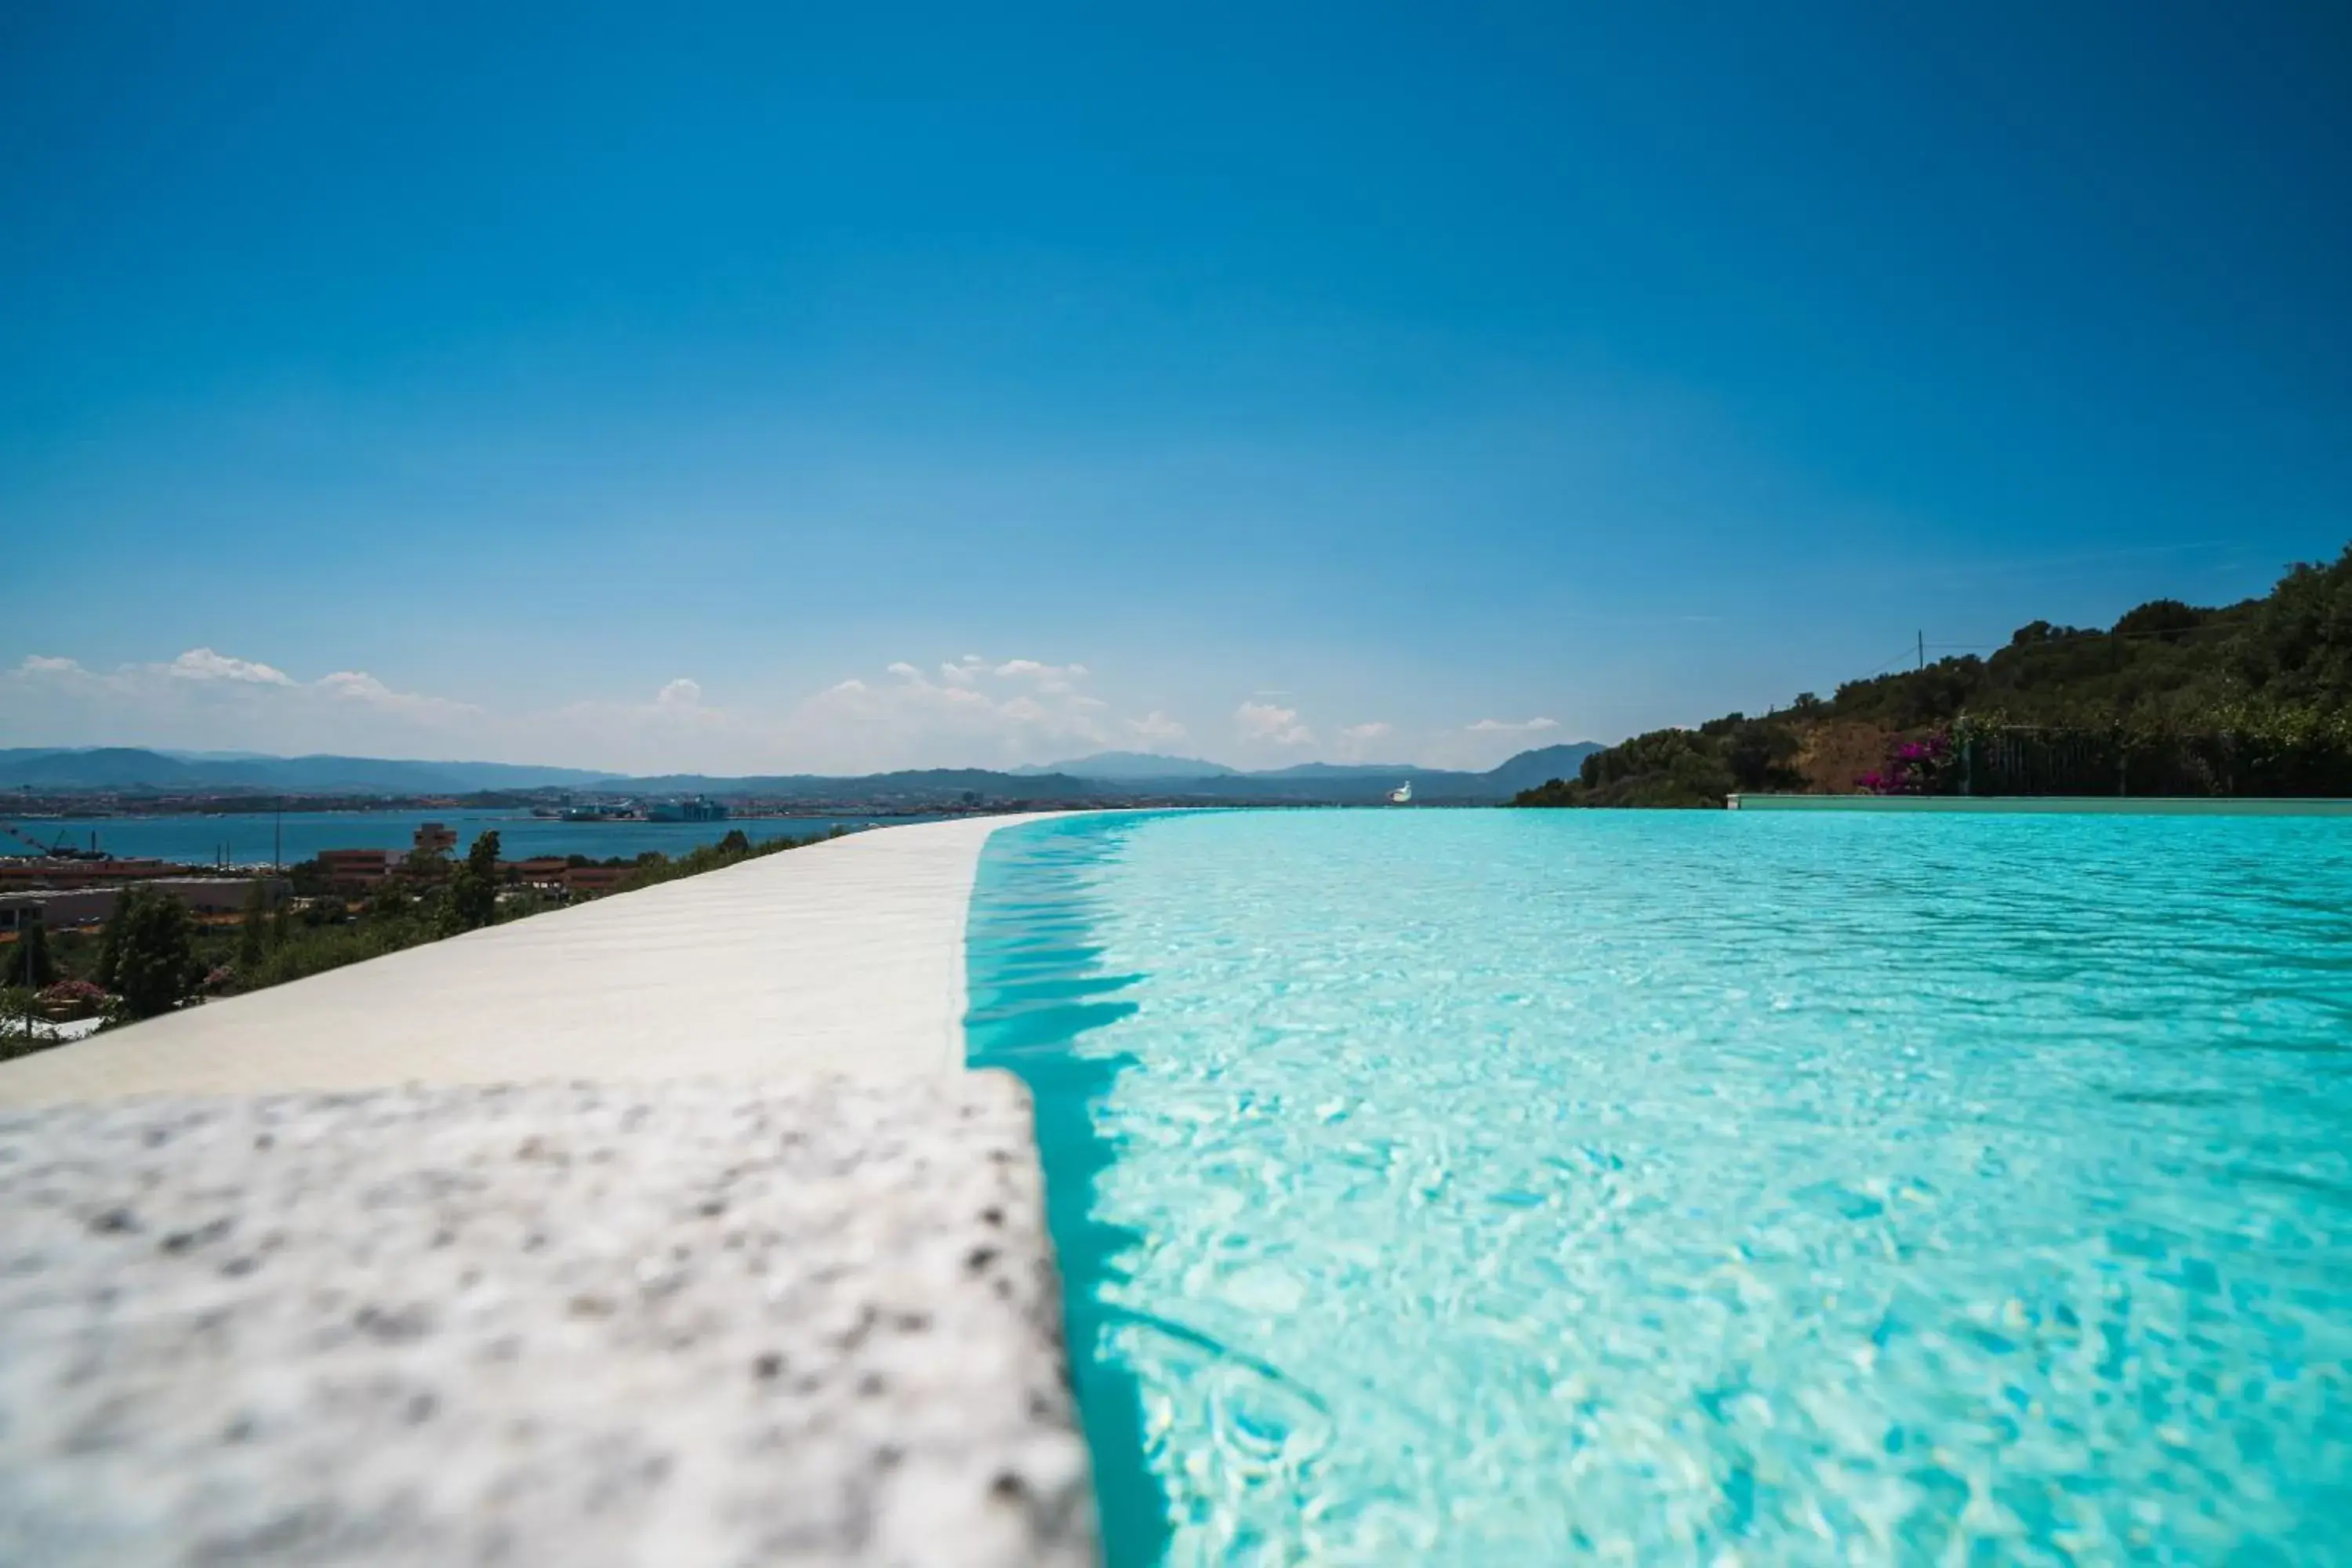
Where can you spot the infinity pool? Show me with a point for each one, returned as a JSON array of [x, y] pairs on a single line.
[[1508, 1187]]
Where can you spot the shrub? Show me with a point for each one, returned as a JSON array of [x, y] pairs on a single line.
[[149, 959], [1917, 767], [74, 998]]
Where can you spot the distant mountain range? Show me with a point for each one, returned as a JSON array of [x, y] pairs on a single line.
[[1144, 768], [137, 769], [1132, 765], [1107, 775], [914, 786]]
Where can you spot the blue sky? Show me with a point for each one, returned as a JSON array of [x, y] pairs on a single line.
[[595, 384]]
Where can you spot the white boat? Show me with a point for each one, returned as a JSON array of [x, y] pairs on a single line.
[[1401, 795]]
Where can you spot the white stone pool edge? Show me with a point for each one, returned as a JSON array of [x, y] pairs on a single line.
[[665, 1230]]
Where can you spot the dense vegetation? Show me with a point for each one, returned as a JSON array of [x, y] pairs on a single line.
[[2251, 697], [154, 956]]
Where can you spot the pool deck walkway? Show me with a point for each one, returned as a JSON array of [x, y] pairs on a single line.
[[845, 956]]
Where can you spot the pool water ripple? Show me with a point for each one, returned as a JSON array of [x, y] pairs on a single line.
[[1517, 1187]]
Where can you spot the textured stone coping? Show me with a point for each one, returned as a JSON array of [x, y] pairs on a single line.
[[686, 1324], [846, 956]]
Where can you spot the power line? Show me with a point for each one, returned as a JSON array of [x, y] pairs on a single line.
[[2094, 634], [1921, 647], [1891, 663]]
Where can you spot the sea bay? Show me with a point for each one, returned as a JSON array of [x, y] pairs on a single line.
[[258, 839]]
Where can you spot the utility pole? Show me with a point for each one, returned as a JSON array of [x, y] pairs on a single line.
[[1923, 650], [277, 840]]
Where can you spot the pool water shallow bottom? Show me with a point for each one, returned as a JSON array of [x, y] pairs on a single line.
[[1512, 1187]]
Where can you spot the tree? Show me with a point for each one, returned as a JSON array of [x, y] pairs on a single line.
[[474, 891], [149, 958], [2167, 618], [2297, 644], [249, 947], [29, 962], [737, 842]]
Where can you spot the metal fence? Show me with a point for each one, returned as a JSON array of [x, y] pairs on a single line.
[[2019, 759]]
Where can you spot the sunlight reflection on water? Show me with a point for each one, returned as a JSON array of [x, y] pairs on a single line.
[[1505, 1187]]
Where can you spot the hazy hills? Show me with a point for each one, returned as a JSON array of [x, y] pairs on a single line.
[[1108, 775], [137, 769], [1194, 773], [1132, 765]]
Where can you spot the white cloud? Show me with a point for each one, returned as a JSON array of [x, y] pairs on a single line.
[[358, 686], [41, 675], [984, 713], [1155, 728], [673, 732], [1012, 711], [355, 685], [1355, 740], [973, 712], [1265, 724], [1057, 679], [927, 712], [204, 664], [207, 700]]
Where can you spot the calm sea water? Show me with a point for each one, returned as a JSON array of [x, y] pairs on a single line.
[[246, 839], [1500, 1189]]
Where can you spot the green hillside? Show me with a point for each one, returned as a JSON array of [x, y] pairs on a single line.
[[2252, 697]]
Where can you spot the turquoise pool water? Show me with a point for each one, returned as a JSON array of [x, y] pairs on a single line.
[[1495, 1187]]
